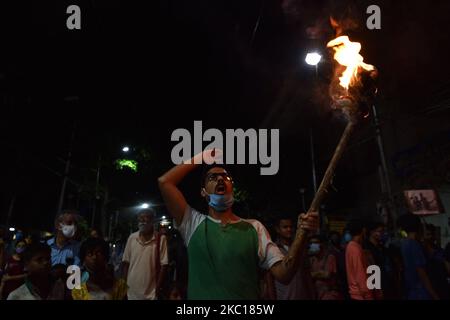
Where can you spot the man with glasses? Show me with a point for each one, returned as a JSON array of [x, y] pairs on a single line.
[[226, 252]]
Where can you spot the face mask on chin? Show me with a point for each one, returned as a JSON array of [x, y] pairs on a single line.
[[220, 202]]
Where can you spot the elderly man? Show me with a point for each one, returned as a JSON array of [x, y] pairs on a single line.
[[145, 260]]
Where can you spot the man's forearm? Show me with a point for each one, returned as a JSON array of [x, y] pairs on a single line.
[[293, 258], [176, 174]]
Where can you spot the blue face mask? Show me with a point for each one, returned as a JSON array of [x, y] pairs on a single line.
[[314, 248], [20, 250], [347, 237], [220, 202]]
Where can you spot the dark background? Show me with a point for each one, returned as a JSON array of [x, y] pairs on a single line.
[[135, 72]]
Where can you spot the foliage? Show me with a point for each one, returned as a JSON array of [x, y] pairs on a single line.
[[126, 163], [240, 195]]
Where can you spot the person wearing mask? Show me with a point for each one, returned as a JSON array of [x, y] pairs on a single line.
[[14, 271], [145, 260], [64, 250], [225, 252], [324, 270]]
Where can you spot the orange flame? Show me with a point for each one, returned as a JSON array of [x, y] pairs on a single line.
[[347, 55]]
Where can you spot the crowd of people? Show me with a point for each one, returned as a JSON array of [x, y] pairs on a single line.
[[218, 255], [152, 263]]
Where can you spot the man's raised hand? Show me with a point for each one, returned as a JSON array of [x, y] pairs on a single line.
[[208, 156], [308, 221]]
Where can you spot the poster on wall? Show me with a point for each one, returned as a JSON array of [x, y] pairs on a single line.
[[423, 202]]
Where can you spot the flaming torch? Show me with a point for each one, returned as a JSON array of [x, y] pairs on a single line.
[[349, 95]]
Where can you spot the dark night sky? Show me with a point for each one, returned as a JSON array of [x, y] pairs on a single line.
[[141, 71]]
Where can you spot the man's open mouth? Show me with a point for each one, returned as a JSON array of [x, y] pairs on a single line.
[[220, 189]]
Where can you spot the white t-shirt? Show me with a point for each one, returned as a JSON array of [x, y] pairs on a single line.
[[141, 279], [268, 252], [23, 293]]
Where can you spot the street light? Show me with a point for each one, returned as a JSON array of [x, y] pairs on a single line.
[[313, 58], [12, 229], [125, 149], [145, 206]]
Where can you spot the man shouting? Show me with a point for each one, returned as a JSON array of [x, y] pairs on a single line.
[[225, 252]]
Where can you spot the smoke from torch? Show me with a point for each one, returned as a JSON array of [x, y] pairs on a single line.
[[350, 95]]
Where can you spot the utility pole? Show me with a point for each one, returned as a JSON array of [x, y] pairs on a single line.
[[10, 210], [384, 168], [103, 218], [66, 171], [97, 195], [313, 162]]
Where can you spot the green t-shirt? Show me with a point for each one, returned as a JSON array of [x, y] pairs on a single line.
[[224, 260]]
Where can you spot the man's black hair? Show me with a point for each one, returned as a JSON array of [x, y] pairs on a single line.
[[355, 227], [284, 216], [409, 222], [90, 244], [207, 167], [33, 249]]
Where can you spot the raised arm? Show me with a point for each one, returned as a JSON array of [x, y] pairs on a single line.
[[285, 270], [173, 198], [168, 182]]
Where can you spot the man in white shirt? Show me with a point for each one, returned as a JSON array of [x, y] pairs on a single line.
[[145, 260]]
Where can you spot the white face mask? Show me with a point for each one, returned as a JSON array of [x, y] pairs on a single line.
[[68, 230]]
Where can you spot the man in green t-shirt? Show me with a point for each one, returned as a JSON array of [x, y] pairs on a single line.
[[226, 252]]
